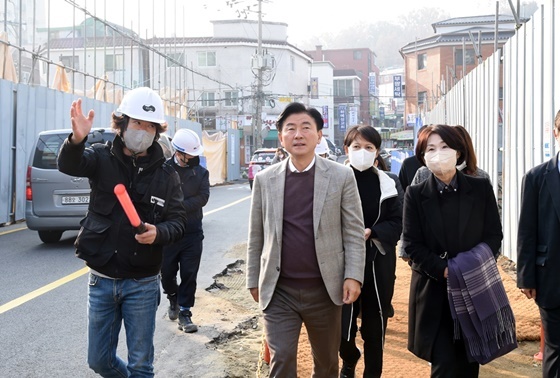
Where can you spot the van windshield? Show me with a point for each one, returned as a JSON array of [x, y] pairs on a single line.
[[48, 146]]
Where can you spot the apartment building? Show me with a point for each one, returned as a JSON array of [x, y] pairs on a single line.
[[435, 64]]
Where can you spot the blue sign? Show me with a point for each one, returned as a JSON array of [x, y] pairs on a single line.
[[397, 86], [342, 117], [372, 84], [382, 113]]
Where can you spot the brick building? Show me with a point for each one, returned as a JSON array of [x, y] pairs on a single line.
[[435, 64], [354, 84]]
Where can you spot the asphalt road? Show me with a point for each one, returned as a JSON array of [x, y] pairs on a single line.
[[43, 291]]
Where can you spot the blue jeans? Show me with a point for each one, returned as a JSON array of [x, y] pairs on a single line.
[[110, 302]]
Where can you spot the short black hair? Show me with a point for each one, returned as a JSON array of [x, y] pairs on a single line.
[[298, 108], [365, 131]]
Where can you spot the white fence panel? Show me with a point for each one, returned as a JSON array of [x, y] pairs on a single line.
[[7, 127], [515, 133]]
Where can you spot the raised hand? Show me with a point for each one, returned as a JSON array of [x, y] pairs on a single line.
[[81, 125]]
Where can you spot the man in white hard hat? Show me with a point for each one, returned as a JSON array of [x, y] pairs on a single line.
[[322, 148], [184, 256], [124, 264]]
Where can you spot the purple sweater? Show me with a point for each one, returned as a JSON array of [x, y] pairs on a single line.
[[299, 268]]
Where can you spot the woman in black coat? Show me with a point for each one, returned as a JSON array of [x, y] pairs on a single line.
[[381, 196], [447, 214]]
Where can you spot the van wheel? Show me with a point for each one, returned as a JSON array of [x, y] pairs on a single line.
[[50, 236]]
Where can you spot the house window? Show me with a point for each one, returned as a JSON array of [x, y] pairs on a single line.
[[71, 61], [114, 62], [422, 98], [469, 57], [206, 58], [176, 57], [343, 88], [208, 99], [292, 63], [357, 55], [232, 98], [422, 61]]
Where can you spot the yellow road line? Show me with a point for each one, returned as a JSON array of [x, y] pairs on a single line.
[[53, 285], [42, 290], [10, 231]]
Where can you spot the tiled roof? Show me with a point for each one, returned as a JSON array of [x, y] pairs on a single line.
[[457, 38], [118, 41], [477, 20], [69, 43]]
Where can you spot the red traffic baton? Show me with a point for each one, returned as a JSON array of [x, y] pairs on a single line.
[[129, 209]]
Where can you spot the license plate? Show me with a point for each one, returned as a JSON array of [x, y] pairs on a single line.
[[75, 200]]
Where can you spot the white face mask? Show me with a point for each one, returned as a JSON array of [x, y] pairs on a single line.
[[362, 159], [441, 163], [137, 141]]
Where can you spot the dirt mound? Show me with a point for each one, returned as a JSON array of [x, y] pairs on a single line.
[[243, 347]]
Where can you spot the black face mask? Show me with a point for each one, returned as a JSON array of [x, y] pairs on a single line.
[[182, 159], [192, 162]]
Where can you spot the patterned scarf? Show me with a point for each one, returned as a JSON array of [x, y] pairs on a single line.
[[479, 305]]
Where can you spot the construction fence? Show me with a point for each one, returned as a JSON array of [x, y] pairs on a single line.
[[512, 128]]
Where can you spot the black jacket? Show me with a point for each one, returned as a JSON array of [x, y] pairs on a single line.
[[408, 169], [381, 248], [195, 184], [106, 239], [538, 239], [424, 237]]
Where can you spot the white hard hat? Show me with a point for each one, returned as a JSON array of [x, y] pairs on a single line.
[[186, 141], [322, 147], [143, 104]]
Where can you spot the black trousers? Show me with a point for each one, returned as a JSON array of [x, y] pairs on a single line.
[[183, 256], [551, 325], [449, 356], [372, 329]]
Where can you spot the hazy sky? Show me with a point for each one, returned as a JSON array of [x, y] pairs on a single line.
[[305, 18]]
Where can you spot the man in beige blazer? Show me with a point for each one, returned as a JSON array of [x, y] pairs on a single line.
[[306, 249]]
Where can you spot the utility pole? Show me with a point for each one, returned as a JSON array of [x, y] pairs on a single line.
[[259, 96]]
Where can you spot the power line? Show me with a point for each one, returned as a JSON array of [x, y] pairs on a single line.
[[140, 42]]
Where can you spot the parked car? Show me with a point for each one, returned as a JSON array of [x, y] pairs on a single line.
[[263, 156], [261, 159], [56, 202], [334, 150]]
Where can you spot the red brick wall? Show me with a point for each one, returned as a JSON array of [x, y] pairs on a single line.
[[344, 59]]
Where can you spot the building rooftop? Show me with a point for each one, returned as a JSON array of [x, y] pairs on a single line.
[[118, 41], [477, 20], [345, 72]]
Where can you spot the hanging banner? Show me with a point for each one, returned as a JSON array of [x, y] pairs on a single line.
[[352, 115], [342, 117], [314, 88], [325, 117], [372, 84], [397, 86]]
